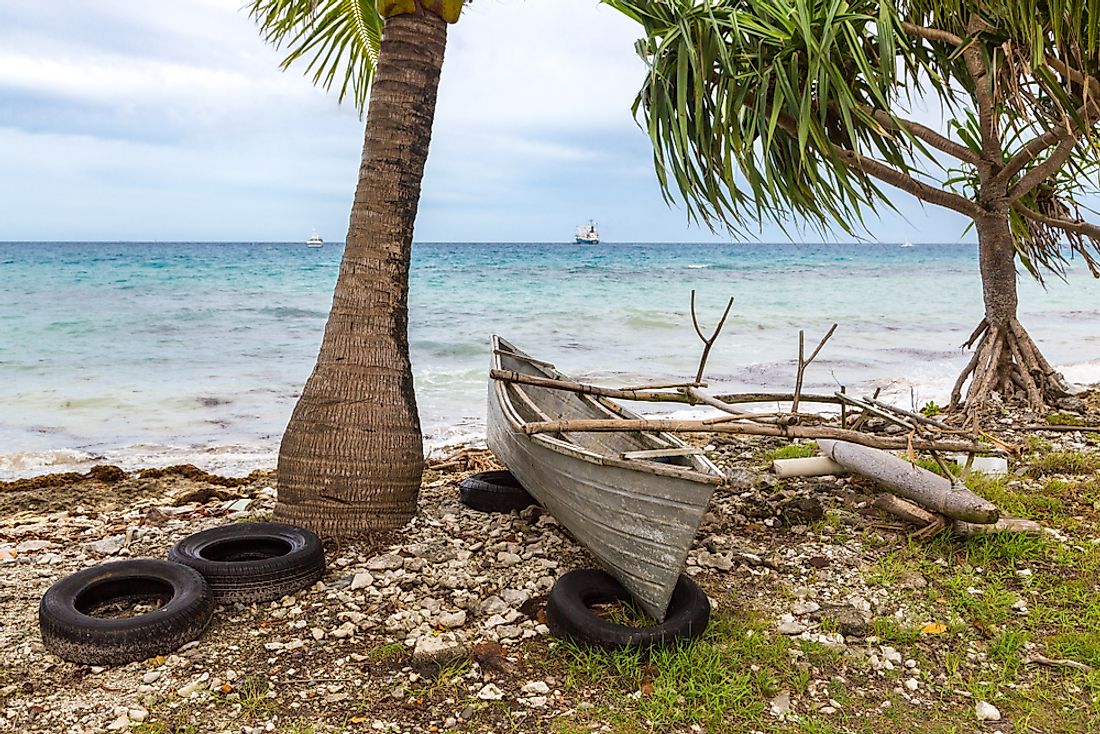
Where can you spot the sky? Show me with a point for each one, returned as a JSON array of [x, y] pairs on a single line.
[[129, 120]]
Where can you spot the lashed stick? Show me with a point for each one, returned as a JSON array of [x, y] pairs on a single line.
[[733, 425]]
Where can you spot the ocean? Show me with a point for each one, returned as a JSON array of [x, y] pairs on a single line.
[[145, 354]]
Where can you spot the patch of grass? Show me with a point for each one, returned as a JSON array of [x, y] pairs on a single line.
[[252, 695], [934, 466], [709, 682], [1065, 419], [792, 451], [1082, 646], [160, 727], [1005, 649], [387, 653], [892, 631], [1065, 462], [298, 727]]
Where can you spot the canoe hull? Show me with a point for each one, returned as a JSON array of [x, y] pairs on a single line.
[[638, 518]]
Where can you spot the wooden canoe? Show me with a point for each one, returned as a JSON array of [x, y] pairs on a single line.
[[633, 499]]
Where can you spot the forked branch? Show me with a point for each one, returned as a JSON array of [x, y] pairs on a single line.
[[803, 363], [707, 342]]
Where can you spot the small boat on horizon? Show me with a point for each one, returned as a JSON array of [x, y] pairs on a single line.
[[588, 234], [907, 243], [633, 499], [315, 240]]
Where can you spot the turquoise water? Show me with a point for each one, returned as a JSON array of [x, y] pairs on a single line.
[[144, 353]]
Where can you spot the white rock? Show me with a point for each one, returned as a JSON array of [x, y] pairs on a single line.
[[450, 620], [911, 684], [490, 692], [30, 546], [362, 580], [535, 687], [107, 546], [508, 559], [138, 714], [494, 605], [432, 649], [388, 561], [494, 621], [535, 701], [199, 684], [781, 704], [122, 722], [788, 625], [515, 597], [318, 633], [808, 607], [986, 711], [151, 677]]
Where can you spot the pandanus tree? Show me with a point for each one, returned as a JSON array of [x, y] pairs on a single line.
[[798, 111], [351, 458]]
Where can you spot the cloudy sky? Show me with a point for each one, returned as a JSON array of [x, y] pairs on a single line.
[[130, 120]]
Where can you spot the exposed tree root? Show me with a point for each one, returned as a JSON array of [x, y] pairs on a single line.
[[1006, 361]]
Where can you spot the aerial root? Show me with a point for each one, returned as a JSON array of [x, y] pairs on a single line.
[[1006, 361]]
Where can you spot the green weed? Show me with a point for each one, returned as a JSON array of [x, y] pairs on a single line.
[[793, 451]]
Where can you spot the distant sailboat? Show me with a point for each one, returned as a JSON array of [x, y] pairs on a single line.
[[907, 244], [587, 234], [315, 240]]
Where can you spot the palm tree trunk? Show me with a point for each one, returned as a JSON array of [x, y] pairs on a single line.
[[1005, 359], [352, 456]]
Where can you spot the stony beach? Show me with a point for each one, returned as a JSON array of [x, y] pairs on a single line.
[[826, 617]]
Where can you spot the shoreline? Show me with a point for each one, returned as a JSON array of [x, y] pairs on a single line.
[[806, 583]]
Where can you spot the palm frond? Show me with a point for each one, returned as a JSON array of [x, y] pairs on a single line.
[[337, 39]]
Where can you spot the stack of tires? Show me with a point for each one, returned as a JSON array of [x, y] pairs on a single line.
[[243, 563]]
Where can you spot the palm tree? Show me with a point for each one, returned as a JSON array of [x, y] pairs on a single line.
[[797, 110], [352, 456]]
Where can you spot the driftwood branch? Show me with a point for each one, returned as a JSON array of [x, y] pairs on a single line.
[[707, 342], [732, 425], [929, 523], [899, 477], [803, 363], [1003, 525], [775, 397], [1061, 663], [645, 396]]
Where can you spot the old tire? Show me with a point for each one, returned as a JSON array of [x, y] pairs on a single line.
[[569, 613], [494, 491], [253, 562], [71, 632]]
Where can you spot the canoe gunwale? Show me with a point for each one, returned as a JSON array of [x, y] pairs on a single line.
[[712, 475]]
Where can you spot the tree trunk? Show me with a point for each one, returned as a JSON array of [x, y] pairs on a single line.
[[1005, 358], [352, 456]]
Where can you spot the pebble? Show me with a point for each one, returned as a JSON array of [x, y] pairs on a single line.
[[490, 692], [199, 684], [536, 687], [451, 620], [151, 677], [362, 580], [122, 722], [986, 711], [432, 649], [788, 625], [107, 546]]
